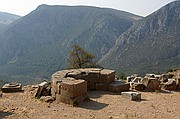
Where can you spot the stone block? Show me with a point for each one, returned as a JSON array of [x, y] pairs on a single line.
[[12, 87], [74, 74], [170, 85], [41, 86], [101, 86], [91, 86], [139, 86], [151, 84], [118, 86], [134, 96], [107, 76], [47, 99], [178, 83], [91, 76], [71, 101], [73, 88]]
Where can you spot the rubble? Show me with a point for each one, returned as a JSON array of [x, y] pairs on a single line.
[[12, 87], [133, 96], [170, 85], [46, 99], [139, 87], [152, 84]]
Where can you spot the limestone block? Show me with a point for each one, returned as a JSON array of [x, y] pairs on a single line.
[[178, 83], [41, 86], [91, 86], [71, 101], [73, 88], [107, 76], [151, 84], [118, 86], [74, 74], [139, 86], [101, 86], [170, 85], [47, 99], [91, 76], [12, 87], [134, 96]]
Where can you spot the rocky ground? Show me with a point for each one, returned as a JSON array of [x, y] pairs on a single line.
[[102, 105]]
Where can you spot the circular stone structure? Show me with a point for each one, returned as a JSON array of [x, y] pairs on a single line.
[[93, 78]]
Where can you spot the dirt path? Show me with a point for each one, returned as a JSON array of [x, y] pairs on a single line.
[[102, 105]]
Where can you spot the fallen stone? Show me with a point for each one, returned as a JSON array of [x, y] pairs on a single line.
[[41, 86], [134, 96], [139, 87], [170, 85], [152, 84], [178, 83], [118, 86], [12, 87], [47, 98]]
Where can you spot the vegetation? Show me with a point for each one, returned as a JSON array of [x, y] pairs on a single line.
[[122, 76], [79, 58]]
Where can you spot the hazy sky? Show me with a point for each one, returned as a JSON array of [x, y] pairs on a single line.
[[139, 7]]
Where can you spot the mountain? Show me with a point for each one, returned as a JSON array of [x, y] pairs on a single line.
[[37, 45], [151, 45], [6, 19]]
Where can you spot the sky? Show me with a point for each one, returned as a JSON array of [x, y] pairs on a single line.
[[138, 7]]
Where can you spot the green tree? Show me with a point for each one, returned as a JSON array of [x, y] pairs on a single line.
[[79, 58]]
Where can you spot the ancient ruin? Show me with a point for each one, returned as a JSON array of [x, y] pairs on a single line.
[[12, 87], [71, 86]]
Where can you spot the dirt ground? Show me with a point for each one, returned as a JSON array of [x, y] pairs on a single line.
[[102, 105]]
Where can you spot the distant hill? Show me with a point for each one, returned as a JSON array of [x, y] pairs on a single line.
[[152, 45], [6, 19], [37, 45]]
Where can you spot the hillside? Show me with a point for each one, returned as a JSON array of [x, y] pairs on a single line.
[[6, 19], [37, 45], [151, 45]]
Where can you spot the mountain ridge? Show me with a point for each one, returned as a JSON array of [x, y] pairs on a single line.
[[37, 44], [151, 45]]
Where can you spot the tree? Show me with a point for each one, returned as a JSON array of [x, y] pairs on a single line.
[[79, 58]]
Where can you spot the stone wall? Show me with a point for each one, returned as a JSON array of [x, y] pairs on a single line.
[[70, 86]]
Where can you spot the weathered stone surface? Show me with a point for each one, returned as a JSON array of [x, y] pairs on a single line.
[[178, 83], [12, 87], [151, 84], [47, 98], [71, 101], [74, 74], [101, 86], [41, 86], [139, 86], [91, 76], [170, 85], [73, 88], [107, 76], [134, 96], [118, 86]]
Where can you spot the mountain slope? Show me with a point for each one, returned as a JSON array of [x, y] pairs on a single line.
[[38, 44], [151, 45], [6, 19]]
